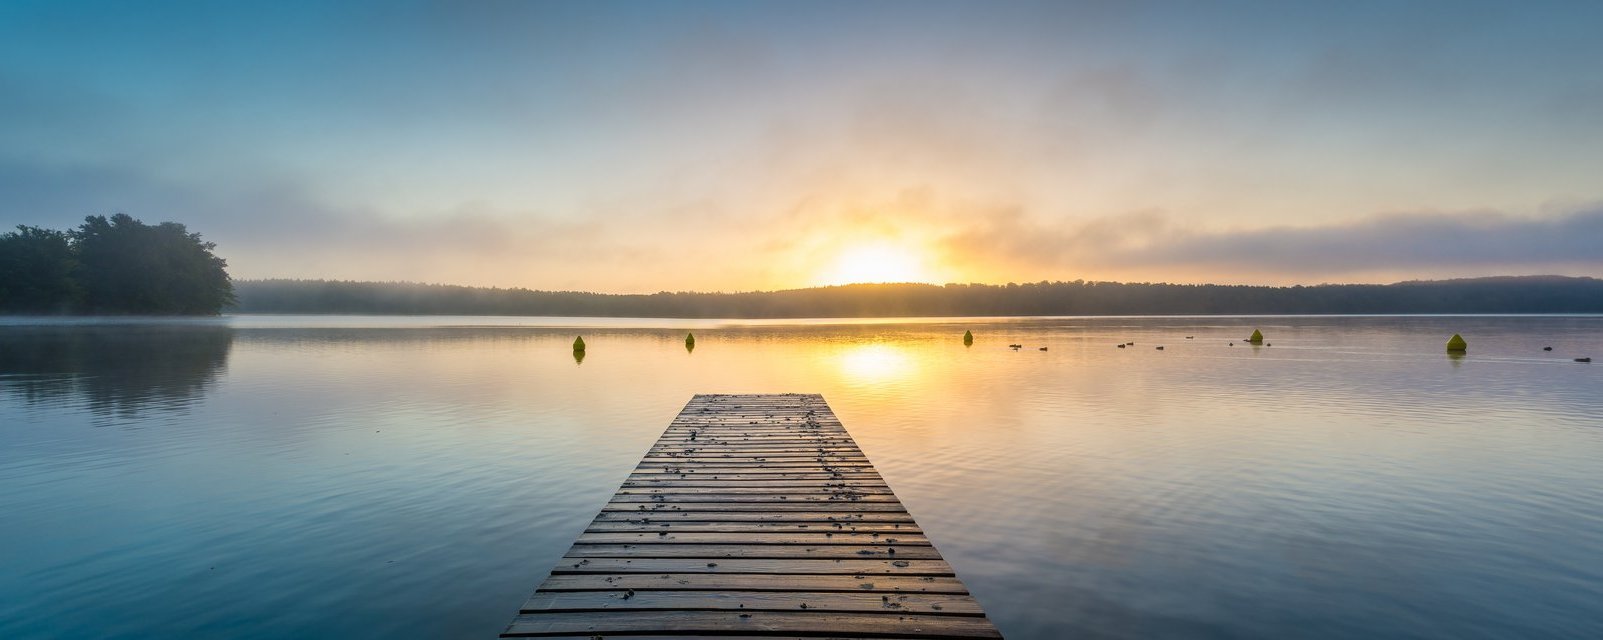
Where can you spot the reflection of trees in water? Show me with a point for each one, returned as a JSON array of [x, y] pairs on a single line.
[[116, 371]]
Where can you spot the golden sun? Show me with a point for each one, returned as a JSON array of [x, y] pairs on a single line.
[[879, 262]]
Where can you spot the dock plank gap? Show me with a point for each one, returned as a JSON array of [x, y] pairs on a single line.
[[753, 516]]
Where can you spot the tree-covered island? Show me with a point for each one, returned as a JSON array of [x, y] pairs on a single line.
[[112, 266]]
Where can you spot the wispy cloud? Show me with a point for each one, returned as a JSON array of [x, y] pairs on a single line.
[[1431, 243], [281, 231]]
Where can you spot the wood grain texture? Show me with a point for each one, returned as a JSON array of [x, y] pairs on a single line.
[[753, 516]]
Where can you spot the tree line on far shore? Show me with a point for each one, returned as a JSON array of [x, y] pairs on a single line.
[[1512, 294], [112, 266], [119, 265]]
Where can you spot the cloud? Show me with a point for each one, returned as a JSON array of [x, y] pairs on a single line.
[[281, 231], [1409, 242]]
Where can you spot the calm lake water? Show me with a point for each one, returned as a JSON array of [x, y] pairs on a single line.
[[353, 477]]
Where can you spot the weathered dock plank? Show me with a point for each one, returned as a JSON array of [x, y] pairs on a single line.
[[725, 582], [823, 515], [760, 537], [753, 516], [824, 566], [894, 624], [571, 601]]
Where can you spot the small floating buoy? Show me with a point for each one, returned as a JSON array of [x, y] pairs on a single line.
[[1456, 343], [1232, 344], [968, 338], [1547, 348], [1256, 337], [1583, 359], [1269, 344]]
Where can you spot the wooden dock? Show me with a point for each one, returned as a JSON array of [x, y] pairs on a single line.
[[753, 516]]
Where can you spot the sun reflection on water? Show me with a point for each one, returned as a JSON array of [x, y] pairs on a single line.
[[877, 363]]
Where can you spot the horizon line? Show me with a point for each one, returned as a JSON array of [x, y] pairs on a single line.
[[1543, 276]]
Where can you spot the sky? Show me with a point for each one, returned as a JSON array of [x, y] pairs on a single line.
[[650, 146]]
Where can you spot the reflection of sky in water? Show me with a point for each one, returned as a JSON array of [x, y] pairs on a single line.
[[418, 480]]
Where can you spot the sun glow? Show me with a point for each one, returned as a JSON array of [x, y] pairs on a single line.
[[880, 262]]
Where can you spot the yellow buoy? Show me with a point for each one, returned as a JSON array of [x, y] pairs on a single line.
[[1457, 344], [968, 338], [1256, 338]]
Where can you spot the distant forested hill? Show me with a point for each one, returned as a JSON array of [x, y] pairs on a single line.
[[1525, 294]]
